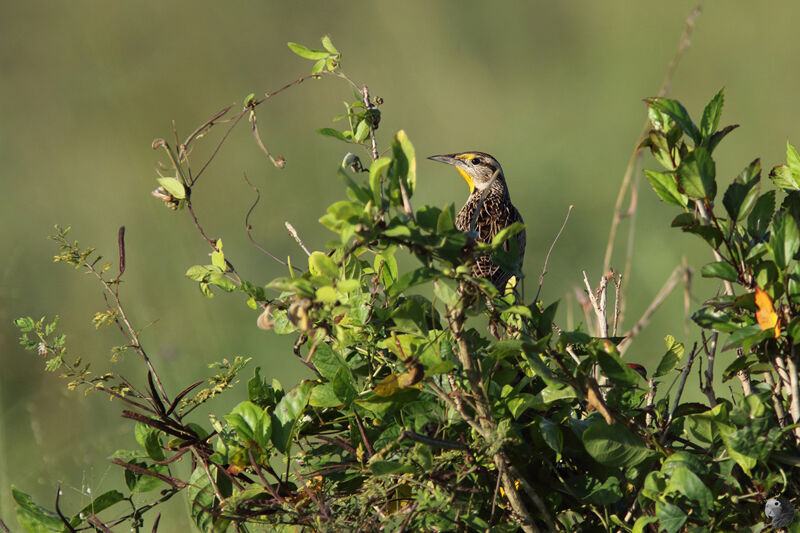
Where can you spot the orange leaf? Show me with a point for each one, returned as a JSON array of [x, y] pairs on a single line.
[[766, 316]]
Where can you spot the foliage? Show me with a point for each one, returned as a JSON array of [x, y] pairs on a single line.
[[417, 418]]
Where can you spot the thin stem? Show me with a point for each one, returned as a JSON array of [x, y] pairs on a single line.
[[549, 251], [293, 233], [684, 375], [683, 44]]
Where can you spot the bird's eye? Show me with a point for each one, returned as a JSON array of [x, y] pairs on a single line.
[[476, 161]]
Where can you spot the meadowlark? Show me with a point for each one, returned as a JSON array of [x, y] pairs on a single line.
[[481, 172]]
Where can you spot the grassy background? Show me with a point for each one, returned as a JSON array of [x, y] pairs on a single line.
[[553, 90]]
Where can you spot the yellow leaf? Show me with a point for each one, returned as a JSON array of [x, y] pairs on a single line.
[[766, 316], [387, 386]]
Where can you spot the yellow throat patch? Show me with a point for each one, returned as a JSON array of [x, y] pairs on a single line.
[[468, 179]]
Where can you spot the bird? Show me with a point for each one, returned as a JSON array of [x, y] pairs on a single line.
[[481, 172], [780, 510]]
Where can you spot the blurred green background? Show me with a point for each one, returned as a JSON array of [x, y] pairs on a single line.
[[552, 89]]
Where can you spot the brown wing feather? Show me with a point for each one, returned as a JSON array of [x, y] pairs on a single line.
[[496, 213]]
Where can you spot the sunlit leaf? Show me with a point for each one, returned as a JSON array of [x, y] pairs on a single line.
[[766, 316]]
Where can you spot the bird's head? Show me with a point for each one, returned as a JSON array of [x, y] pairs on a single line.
[[477, 168]]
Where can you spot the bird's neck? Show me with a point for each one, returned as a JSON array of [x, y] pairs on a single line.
[[498, 188]]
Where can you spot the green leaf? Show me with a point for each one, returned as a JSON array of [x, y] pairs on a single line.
[[696, 174], [326, 295], [321, 265], [380, 468], [666, 187], [506, 348], [616, 370], [173, 186], [386, 264], [203, 501], [711, 114], [784, 239], [99, 504], [327, 44], [670, 517], [642, 522], [760, 216], [718, 136], [287, 412], [745, 337], [678, 113], [323, 395], [687, 483], [415, 277], [150, 440], [592, 491], [251, 423], [670, 359], [218, 257], [405, 161], [446, 221], [614, 446], [293, 403], [447, 291], [198, 272], [551, 434], [326, 360], [307, 53], [318, 66], [348, 285], [507, 232], [742, 194], [361, 132], [343, 386], [783, 178], [332, 132], [376, 171], [32, 517], [792, 159], [720, 269]]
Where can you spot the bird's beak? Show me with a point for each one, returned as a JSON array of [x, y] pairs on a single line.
[[446, 158], [451, 160]]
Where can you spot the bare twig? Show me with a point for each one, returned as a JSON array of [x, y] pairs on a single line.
[[707, 385], [617, 280], [211, 479], [650, 399], [485, 419], [629, 171], [597, 299], [280, 162], [100, 526], [217, 148], [60, 514], [155, 523], [368, 105], [674, 278], [293, 233], [367, 444], [128, 330], [794, 406], [684, 375], [121, 245], [136, 469], [249, 228], [777, 403], [549, 251]]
